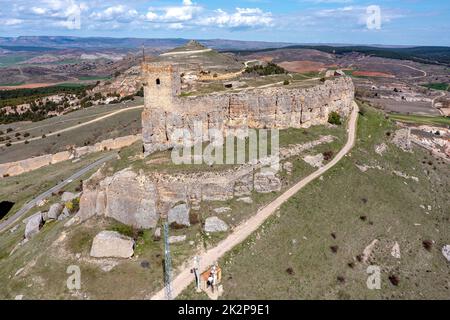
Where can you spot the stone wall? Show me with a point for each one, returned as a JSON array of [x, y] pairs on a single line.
[[140, 199], [27, 165], [165, 111]]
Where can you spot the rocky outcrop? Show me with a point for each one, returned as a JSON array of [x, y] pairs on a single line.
[[111, 244], [314, 161], [446, 252], [267, 182], [179, 216], [214, 224], [54, 211], [33, 225], [126, 197], [140, 199], [27, 165]]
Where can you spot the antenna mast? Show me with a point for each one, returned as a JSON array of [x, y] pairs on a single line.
[[167, 262]]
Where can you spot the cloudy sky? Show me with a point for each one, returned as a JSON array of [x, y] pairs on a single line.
[[408, 22]]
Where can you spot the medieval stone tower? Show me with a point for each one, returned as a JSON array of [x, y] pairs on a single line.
[[162, 85]]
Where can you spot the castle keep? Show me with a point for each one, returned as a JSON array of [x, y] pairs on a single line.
[[166, 111]]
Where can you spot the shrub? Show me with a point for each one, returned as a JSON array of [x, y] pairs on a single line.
[[286, 82], [9, 144], [328, 155], [334, 118], [9, 130], [269, 69]]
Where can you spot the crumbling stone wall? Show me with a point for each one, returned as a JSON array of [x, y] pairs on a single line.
[[166, 111]]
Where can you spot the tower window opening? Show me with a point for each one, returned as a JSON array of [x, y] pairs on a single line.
[[158, 82]]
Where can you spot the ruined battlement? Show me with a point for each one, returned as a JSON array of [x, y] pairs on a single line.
[[165, 111]]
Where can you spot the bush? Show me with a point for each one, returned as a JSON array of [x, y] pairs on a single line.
[[9, 144], [286, 82], [334, 118]]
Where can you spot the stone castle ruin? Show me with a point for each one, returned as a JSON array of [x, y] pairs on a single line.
[[140, 199], [166, 110]]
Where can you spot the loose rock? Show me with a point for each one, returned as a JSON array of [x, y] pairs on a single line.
[[214, 224], [177, 239], [111, 244], [34, 224]]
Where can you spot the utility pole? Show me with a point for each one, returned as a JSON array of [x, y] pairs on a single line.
[[167, 262]]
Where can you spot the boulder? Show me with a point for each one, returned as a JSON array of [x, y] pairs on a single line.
[[179, 216], [54, 211], [69, 196], [34, 224], [446, 252], [64, 215], [214, 224], [267, 182], [111, 244], [177, 239], [315, 161]]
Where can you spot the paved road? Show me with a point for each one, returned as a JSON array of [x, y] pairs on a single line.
[[27, 207], [243, 231], [109, 115]]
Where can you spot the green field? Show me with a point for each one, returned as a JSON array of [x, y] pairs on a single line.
[[416, 119], [93, 78], [437, 86]]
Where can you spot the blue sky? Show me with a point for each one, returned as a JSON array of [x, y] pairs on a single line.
[[403, 22]]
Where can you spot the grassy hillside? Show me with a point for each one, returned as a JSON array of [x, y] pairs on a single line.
[[312, 248]]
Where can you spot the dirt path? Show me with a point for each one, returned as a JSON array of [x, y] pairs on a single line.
[[185, 52], [78, 125], [244, 230]]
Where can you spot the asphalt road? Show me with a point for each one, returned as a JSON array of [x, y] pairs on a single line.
[[4, 225]]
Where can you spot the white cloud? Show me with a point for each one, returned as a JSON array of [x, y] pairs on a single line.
[[118, 13], [173, 14], [242, 17], [11, 22]]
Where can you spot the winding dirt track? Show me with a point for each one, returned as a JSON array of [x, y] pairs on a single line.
[[243, 231]]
